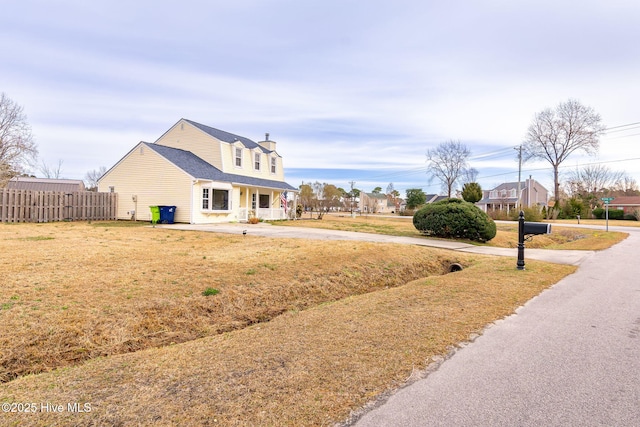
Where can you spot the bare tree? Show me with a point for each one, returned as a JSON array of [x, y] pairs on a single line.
[[390, 188], [17, 147], [49, 171], [470, 175], [592, 180], [555, 134], [448, 162], [91, 178], [626, 186]]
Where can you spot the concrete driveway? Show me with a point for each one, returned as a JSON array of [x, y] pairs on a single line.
[[268, 230]]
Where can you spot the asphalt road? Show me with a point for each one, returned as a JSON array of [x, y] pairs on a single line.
[[569, 357]]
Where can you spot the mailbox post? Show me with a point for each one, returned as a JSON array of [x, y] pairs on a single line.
[[520, 263], [525, 231]]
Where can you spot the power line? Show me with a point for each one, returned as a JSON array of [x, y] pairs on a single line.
[[622, 126], [549, 168], [625, 136], [503, 153], [623, 130]]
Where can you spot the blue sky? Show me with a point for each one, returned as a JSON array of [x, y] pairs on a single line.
[[350, 90]]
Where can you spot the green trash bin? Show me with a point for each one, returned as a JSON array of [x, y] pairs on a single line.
[[155, 214]]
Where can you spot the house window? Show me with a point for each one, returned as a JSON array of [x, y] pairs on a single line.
[[112, 189], [253, 201], [264, 201], [273, 165], [220, 200], [205, 198], [239, 157], [513, 193], [215, 199], [256, 161], [493, 194]]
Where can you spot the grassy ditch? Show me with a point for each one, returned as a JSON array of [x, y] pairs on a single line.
[[310, 366]]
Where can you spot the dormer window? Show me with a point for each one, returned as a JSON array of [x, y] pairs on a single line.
[[256, 161], [238, 157], [273, 165]]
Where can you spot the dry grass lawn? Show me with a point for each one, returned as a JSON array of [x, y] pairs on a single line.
[[300, 333], [74, 291]]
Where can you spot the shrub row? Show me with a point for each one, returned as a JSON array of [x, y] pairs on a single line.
[[600, 213]]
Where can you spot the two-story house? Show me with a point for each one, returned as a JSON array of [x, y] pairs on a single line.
[[375, 203], [209, 175], [505, 196]]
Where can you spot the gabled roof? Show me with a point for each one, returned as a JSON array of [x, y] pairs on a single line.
[[45, 184], [226, 136], [509, 186], [200, 169], [376, 195], [626, 200]]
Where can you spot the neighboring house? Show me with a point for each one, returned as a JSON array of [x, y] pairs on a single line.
[[431, 198], [209, 175], [629, 204], [45, 184], [375, 203], [505, 196]]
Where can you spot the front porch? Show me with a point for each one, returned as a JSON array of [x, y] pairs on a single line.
[[262, 203]]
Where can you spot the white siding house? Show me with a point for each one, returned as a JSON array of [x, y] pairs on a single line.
[[208, 174]]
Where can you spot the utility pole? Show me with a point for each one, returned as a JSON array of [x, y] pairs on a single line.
[[519, 174]]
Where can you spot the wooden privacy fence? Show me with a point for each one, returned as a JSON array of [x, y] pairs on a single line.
[[49, 206]]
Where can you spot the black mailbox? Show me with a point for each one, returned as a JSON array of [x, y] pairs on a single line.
[[531, 228]]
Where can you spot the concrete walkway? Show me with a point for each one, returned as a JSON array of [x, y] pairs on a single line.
[[268, 230]]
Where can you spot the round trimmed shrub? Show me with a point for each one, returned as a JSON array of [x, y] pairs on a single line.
[[455, 218]]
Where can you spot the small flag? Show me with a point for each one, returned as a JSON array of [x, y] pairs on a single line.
[[283, 200]]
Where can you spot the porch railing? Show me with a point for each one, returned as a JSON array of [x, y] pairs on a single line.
[[262, 213]]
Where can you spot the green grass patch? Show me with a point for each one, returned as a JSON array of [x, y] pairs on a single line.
[[210, 291]]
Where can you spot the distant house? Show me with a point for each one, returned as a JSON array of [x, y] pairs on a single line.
[[505, 196], [628, 204], [45, 184], [376, 203], [209, 175]]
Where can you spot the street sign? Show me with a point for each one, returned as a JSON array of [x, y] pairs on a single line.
[[606, 201]]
